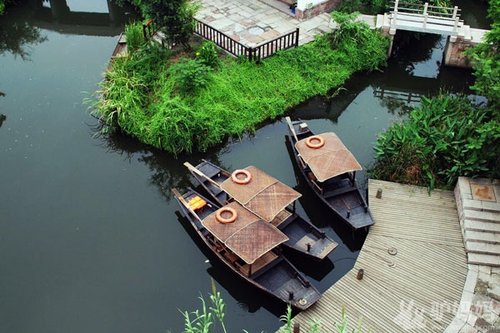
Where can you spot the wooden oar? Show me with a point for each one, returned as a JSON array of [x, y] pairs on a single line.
[[201, 174], [185, 203], [290, 125]]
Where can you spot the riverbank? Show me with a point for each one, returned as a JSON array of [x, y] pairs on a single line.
[[143, 94]]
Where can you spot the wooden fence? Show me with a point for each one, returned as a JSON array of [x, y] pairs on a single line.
[[237, 49], [232, 46]]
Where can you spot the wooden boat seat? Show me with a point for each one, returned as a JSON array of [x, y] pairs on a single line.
[[334, 193], [281, 217], [214, 189], [208, 169], [260, 263]]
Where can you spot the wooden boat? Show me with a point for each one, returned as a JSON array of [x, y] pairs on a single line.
[[248, 246], [330, 170], [303, 236]]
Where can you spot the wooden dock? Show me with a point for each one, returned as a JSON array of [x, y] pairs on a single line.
[[414, 266]]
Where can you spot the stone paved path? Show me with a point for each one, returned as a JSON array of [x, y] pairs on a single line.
[[255, 22]]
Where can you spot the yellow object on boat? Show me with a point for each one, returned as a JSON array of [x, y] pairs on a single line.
[[197, 203]]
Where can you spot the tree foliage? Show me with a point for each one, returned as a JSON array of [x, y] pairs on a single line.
[[486, 60], [174, 17]]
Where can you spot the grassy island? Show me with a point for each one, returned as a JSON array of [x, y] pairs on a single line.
[[185, 101]]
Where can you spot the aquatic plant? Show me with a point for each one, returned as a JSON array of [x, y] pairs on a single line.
[[444, 138], [153, 107], [202, 320]]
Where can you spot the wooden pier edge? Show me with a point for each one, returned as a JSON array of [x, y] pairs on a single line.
[[413, 261]]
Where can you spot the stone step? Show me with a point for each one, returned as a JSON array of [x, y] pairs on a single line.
[[484, 259], [487, 216], [482, 206], [482, 248], [480, 236], [492, 227]]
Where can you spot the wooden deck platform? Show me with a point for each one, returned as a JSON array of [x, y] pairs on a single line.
[[414, 266]]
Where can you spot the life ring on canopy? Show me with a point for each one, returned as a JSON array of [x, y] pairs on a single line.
[[241, 181], [315, 142], [225, 220]]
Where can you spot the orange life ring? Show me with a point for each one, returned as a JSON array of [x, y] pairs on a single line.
[[246, 180], [320, 142], [224, 220]]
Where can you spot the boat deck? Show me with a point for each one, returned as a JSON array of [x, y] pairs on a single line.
[[414, 266]]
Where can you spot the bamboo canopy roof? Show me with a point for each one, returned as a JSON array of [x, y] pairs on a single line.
[[248, 237], [264, 195], [331, 160]]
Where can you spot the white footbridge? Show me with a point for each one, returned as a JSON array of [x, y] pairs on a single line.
[[425, 18]]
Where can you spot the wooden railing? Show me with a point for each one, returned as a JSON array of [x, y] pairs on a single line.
[[269, 48], [401, 96], [221, 39], [237, 49]]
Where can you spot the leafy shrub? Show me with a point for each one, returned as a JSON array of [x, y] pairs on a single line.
[[207, 54], [135, 36], [446, 137], [190, 75], [174, 17], [356, 37]]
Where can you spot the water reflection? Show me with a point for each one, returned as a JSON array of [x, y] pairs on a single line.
[[167, 171], [17, 35], [21, 29], [57, 15]]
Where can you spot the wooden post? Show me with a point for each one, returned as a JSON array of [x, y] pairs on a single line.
[[296, 328], [361, 273], [297, 37], [426, 6]]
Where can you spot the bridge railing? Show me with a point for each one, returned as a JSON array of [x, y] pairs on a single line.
[[425, 13], [426, 9]]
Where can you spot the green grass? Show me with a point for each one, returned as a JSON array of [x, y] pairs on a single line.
[[142, 98]]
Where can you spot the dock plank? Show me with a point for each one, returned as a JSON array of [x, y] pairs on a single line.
[[400, 292]]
